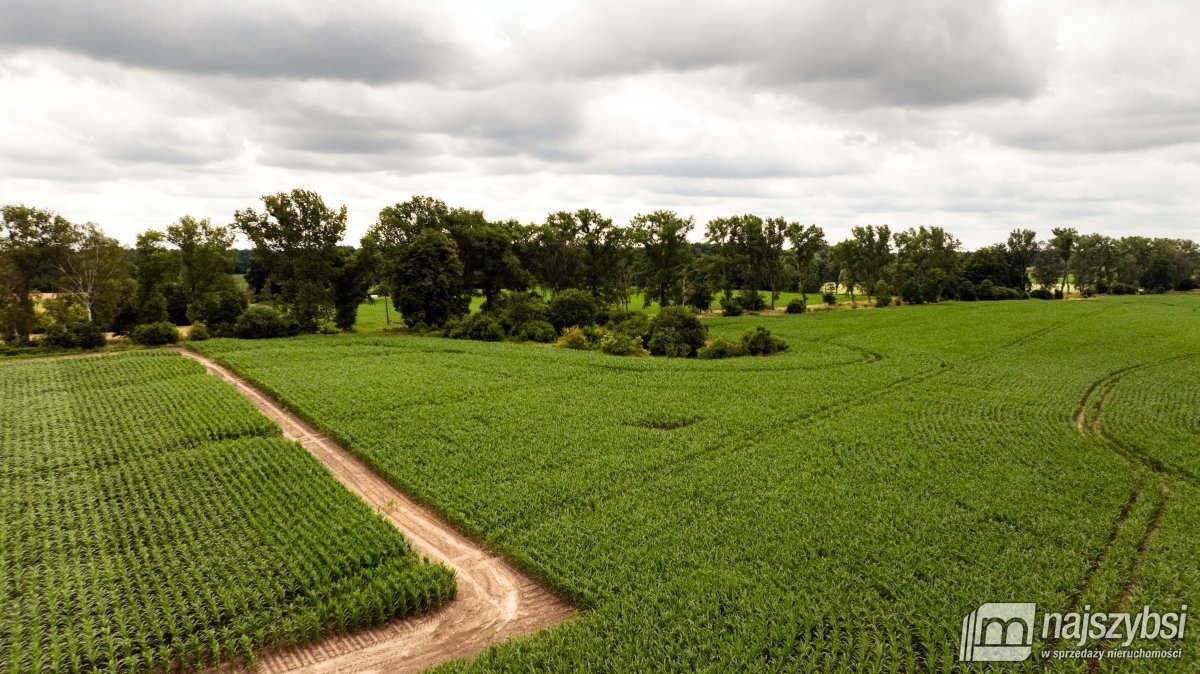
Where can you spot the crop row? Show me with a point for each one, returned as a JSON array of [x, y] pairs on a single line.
[[152, 518], [816, 511]]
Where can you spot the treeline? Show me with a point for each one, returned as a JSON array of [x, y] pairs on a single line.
[[431, 259]]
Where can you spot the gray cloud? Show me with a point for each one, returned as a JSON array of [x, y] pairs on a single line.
[[232, 38], [978, 116], [841, 53]]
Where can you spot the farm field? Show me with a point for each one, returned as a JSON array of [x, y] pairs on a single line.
[[372, 316], [839, 507], [150, 515]]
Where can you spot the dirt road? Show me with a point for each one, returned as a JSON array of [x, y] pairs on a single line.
[[495, 602]]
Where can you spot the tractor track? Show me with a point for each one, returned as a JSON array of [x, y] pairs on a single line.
[[1088, 421]]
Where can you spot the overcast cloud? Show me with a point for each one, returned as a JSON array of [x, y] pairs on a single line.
[[977, 116]]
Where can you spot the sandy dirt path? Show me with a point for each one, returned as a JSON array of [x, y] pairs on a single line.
[[495, 601]]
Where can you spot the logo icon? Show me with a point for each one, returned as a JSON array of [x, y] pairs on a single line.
[[997, 632]]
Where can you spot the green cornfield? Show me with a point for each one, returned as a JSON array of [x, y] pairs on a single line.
[[840, 507], [152, 519]]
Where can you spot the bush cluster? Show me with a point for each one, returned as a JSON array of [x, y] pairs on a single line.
[[155, 334], [480, 327], [263, 322], [675, 332], [756, 342], [198, 333], [796, 306], [82, 336]]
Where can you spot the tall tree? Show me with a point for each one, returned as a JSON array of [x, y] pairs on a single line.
[[1022, 250], [807, 243], [31, 240], [727, 237], [875, 250], [1049, 267], [206, 256], [92, 270], [399, 223], [557, 244], [427, 280], [486, 250], [847, 258], [774, 236], [929, 255], [662, 236], [297, 236], [1092, 263], [352, 282], [1063, 240], [599, 245]]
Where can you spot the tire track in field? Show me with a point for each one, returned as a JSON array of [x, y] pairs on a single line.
[[495, 602], [1088, 421]]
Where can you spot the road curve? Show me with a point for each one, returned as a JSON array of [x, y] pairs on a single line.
[[495, 601]]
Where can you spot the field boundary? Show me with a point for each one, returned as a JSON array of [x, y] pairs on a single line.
[[495, 601]]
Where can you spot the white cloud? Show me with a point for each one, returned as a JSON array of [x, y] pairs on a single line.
[[978, 117]]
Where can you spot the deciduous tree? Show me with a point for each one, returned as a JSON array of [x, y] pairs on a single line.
[[296, 237]]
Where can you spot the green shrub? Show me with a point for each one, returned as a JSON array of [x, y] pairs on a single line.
[[480, 327], [516, 309], [829, 298], [572, 307], [1041, 294], [263, 322], [730, 306], [675, 331], [796, 306], [721, 348], [1006, 293], [56, 337], [910, 292], [632, 323], [198, 333], [618, 344], [966, 291], [930, 293], [699, 297], [752, 301], [153, 308], [760, 342], [155, 334], [670, 343], [573, 338], [177, 303], [536, 331], [883, 293], [1119, 288], [218, 311], [87, 336]]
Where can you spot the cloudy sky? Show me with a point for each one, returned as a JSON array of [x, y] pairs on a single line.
[[975, 115]]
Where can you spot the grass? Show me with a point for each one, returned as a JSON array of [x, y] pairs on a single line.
[[151, 519], [839, 507], [380, 316]]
